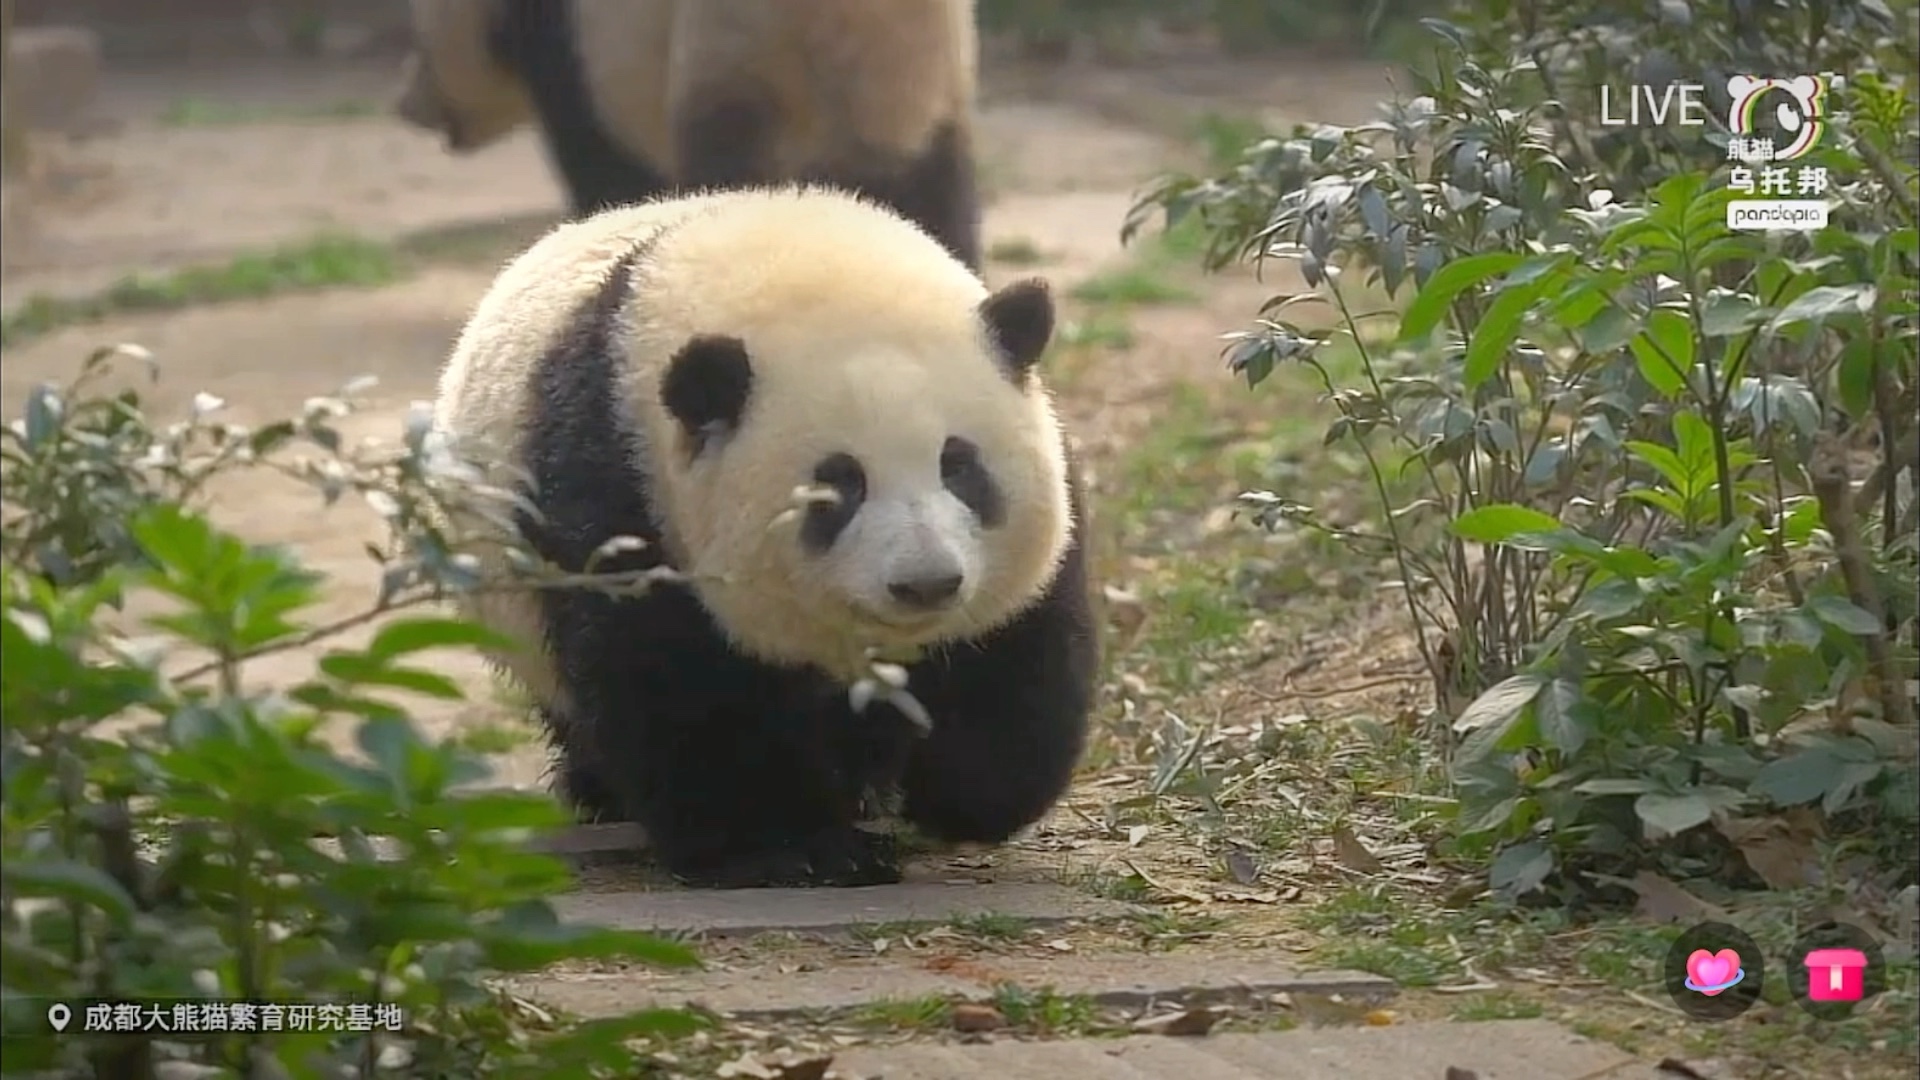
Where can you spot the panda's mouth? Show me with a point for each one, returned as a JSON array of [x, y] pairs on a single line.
[[907, 621], [895, 621]]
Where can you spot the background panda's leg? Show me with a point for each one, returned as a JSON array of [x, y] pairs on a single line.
[[936, 189], [535, 38], [735, 769], [1009, 716], [939, 191]]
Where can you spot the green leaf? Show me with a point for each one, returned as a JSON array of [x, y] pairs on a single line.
[[64, 879], [1503, 701], [1824, 302], [1854, 775], [1521, 868], [1665, 352], [1693, 440], [1670, 815], [1855, 376], [1565, 716], [1617, 785], [1430, 305], [1615, 598], [173, 538], [1607, 331], [1673, 505], [1502, 521], [403, 636], [390, 742], [1727, 314], [356, 669], [1799, 778], [1499, 327], [1665, 461], [1843, 614]]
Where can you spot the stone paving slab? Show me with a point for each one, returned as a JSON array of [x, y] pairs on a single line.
[[1119, 981], [1494, 1050], [745, 912]]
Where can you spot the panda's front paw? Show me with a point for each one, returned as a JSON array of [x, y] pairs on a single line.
[[838, 857]]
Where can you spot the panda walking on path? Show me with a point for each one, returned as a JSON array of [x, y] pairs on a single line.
[[639, 98], [645, 378]]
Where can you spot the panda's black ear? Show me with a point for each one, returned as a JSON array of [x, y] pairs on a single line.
[[1019, 318], [706, 386]]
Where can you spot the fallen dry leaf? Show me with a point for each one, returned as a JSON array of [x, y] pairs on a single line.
[[1241, 865], [971, 1016], [1186, 1022], [1126, 614], [1710, 1069], [804, 1068], [1352, 854], [746, 1065], [1663, 901], [1781, 850], [786, 1066]]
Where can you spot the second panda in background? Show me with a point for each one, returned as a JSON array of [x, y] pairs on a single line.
[[639, 98]]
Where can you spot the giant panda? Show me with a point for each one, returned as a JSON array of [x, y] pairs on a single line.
[[677, 371], [637, 98]]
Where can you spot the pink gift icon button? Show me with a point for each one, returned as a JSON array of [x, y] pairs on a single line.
[[1836, 974]]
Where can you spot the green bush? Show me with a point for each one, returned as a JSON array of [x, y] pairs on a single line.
[[1647, 481], [160, 816]]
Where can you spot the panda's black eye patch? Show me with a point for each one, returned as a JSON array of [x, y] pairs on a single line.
[[964, 474], [824, 521]]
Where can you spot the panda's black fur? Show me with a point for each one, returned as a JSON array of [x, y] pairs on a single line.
[[743, 773], [723, 141]]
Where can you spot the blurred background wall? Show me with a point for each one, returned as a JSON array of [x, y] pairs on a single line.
[[176, 29]]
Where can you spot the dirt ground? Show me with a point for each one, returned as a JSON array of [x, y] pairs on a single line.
[[1063, 150]]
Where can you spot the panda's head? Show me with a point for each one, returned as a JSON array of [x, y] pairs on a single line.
[[917, 420], [453, 84]]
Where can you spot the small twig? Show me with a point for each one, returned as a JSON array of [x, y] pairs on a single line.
[[1336, 691], [1834, 490], [309, 637], [605, 582]]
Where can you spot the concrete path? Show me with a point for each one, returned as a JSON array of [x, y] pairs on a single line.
[[1496, 1050]]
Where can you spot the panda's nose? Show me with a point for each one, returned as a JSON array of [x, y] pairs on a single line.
[[926, 593]]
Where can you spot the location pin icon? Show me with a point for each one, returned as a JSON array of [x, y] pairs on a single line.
[[59, 1015]]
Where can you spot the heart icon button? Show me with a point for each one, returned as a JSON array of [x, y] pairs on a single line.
[[1710, 973]]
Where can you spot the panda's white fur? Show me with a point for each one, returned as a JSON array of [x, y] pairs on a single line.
[[834, 90], [866, 336]]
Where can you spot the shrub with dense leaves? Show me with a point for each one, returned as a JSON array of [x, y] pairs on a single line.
[[1647, 482], [159, 815]]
